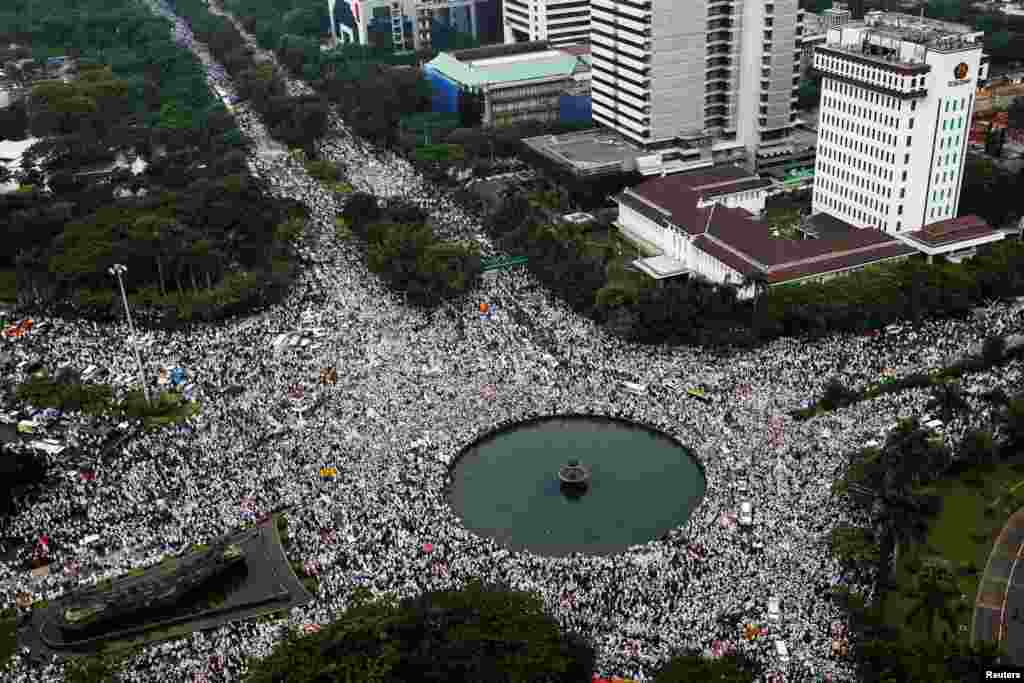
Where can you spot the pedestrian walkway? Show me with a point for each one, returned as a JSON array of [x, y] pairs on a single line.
[[999, 606]]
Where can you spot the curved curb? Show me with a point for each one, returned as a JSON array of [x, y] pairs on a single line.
[[1015, 521], [307, 597]]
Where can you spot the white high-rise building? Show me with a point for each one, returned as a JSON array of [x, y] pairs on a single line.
[[556, 21], [701, 79], [897, 97]]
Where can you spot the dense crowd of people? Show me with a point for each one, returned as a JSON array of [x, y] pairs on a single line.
[[413, 389]]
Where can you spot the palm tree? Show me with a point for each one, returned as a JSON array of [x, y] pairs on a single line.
[[977, 447], [904, 518], [153, 229], [934, 593], [909, 456]]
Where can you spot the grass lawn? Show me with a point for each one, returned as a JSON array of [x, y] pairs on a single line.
[[8, 286], [961, 534]]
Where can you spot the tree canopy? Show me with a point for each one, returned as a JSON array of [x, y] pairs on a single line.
[[402, 248], [479, 633], [200, 236]]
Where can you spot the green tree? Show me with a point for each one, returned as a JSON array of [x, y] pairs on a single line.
[[993, 349], [910, 458], [693, 666], [934, 595], [836, 395], [360, 210], [855, 547], [977, 448], [480, 633], [948, 10], [999, 41], [888, 658], [1012, 422], [91, 669], [947, 399]]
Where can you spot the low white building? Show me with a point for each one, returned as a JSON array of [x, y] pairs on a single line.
[[686, 233]]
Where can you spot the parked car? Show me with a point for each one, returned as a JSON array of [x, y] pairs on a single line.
[[774, 608], [782, 651], [746, 516]]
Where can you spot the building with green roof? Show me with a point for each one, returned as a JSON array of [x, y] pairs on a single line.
[[520, 82]]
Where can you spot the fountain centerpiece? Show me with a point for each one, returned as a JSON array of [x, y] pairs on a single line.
[[574, 477]]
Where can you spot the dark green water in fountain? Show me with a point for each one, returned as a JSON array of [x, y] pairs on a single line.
[[643, 483]]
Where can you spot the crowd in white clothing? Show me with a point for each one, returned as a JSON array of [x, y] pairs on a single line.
[[409, 398]]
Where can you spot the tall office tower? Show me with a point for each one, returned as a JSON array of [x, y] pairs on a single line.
[[556, 21], [691, 75], [896, 101]]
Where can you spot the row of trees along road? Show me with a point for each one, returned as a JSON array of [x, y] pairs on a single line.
[[295, 120], [582, 265], [200, 236], [372, 88]]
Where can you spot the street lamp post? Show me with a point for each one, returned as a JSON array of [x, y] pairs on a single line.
[[117, 270]]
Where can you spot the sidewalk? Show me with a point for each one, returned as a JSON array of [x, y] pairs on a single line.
[[999, 605]]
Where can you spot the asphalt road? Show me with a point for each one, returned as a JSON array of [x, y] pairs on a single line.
[[999, 606]]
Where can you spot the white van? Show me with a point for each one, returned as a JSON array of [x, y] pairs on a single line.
[[89, 541], [746, 516], [774, 608], [634, 388], [933, 424], [782, 651]]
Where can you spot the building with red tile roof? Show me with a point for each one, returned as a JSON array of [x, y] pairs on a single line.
[[687, 231], [955, 238]]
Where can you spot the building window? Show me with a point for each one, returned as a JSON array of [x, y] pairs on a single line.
[[899, 210], [910, 123], [906, 158], [909, 140]]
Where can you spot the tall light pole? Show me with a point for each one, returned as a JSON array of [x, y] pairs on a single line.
[[117, 270]]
